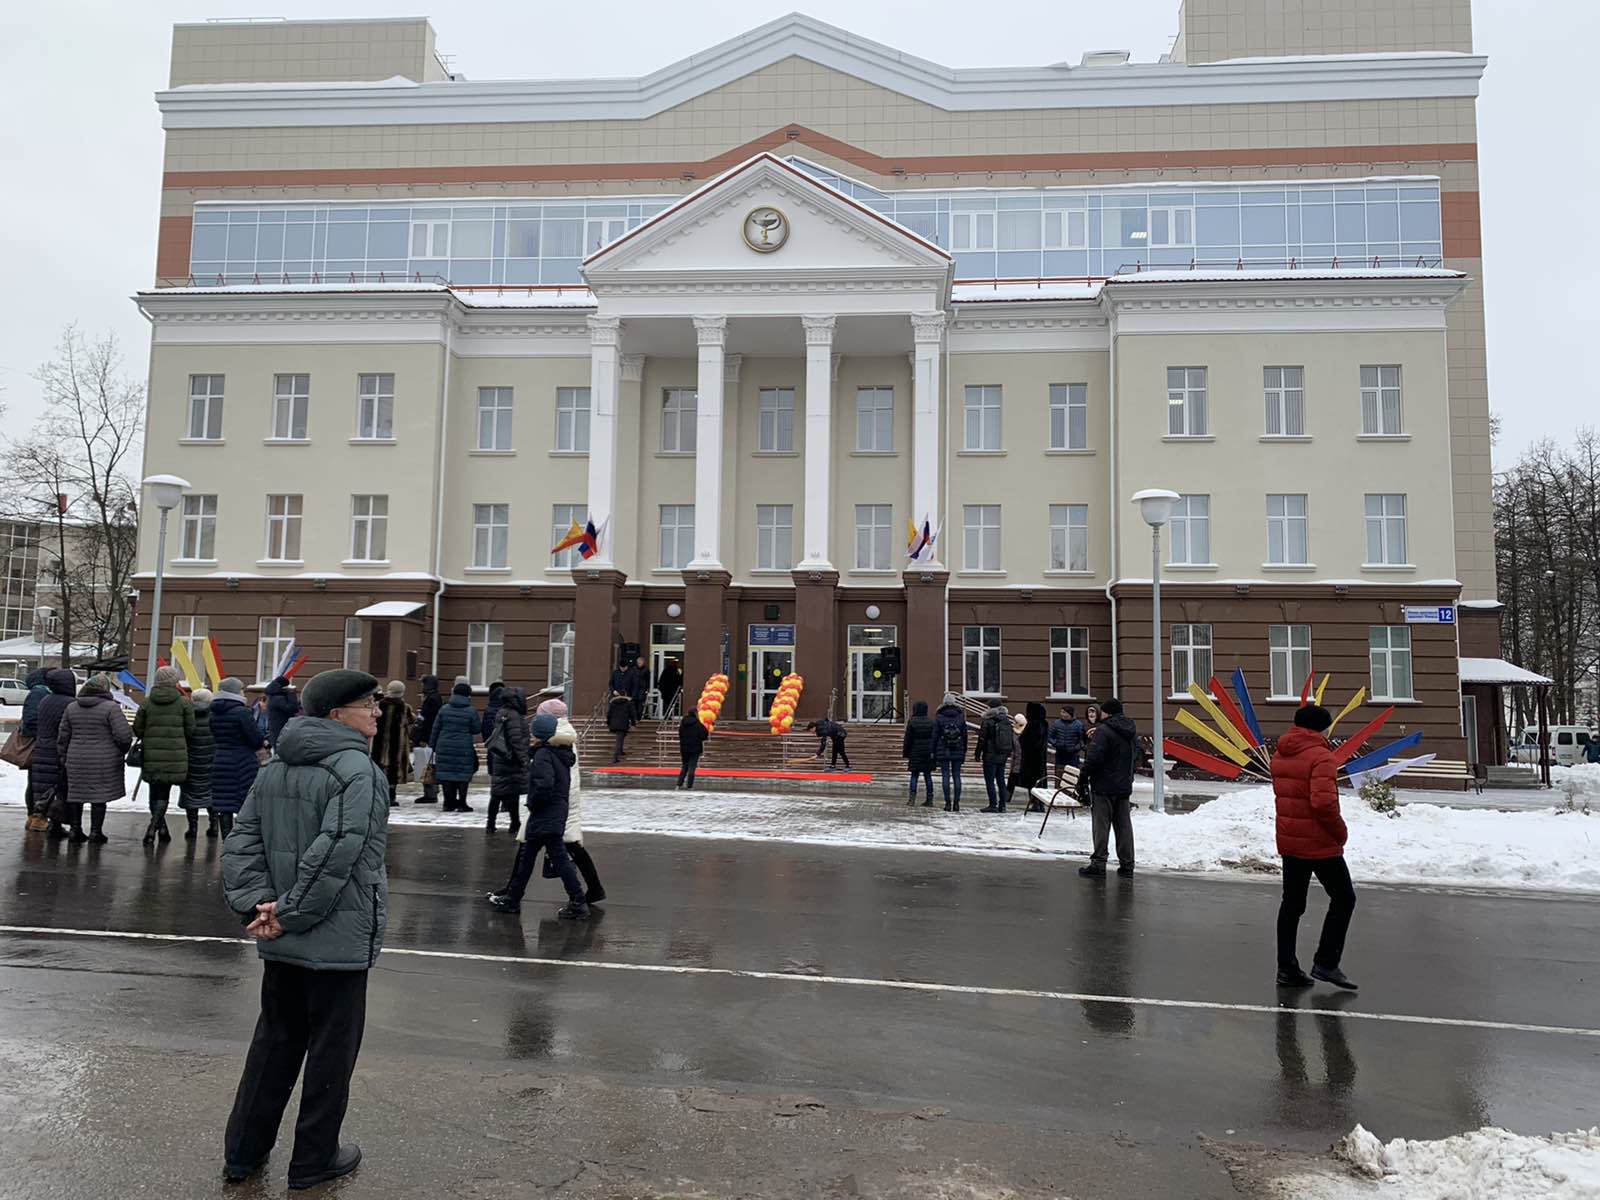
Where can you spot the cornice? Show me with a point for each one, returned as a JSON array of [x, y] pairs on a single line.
[[1241, 81]]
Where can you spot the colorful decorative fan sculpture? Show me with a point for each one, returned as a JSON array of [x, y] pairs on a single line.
[[1237, 737]]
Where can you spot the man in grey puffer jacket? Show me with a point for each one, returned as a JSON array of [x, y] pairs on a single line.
[[304, 866]]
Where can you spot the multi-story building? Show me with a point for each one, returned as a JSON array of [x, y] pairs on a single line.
[[758, 312]]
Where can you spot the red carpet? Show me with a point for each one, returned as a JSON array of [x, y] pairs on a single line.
[[715, 773]]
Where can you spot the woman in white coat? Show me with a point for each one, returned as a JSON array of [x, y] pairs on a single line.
[[566, 735]]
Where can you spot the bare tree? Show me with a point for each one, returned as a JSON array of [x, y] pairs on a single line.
[[72, 475]]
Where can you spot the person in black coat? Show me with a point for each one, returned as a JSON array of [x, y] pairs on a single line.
[[918, 747], [997, 741], [619, 719], [691, 745], [669, 684], [622, 679], [1032, 744], [237, 738], [46, 774], [549, 789], [1066, 738], [283, 706], [950, 748], [640, 689], [491, 709], [830, 733], [422, 731], [1110, 758]]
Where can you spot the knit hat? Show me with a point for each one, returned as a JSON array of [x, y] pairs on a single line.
[[231, 686], [99, 684], [543, 727], [460, 679], [165, 675], [1313, 717], [555, 707], [1111, 708], [329, 690], [950, 698], [201, 696], [462, 688], [396, 689], [1019, 721]]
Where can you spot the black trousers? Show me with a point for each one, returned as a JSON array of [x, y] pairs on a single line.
[[586, 868], [838, 753], [1065, 758], [1334, 876], [691, 763], [510, 803], [455, 796], [310, 1017], [621, 747], [160, 798], [556, 851], [1111, 813]]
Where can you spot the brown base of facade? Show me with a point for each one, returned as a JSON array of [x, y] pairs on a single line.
[[1055, 645]]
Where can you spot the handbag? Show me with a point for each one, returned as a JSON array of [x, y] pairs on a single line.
[[135, 755], [18, 750], [52, 806]]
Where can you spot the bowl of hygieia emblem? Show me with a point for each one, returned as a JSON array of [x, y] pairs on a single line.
[[766, 229]]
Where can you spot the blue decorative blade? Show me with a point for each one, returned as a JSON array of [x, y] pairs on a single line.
[[1382, 754], [1248, 709]]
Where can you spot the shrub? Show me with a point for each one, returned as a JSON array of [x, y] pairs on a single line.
[[1379, 796]]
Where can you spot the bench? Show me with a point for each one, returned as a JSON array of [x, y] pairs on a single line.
[[1452, 771], [1058, 792]]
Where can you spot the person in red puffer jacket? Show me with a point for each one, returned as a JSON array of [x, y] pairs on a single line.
[[1311, 838]]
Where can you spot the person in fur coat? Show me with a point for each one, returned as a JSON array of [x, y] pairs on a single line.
[[391, 745]]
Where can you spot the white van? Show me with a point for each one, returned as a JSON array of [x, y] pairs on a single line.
[[1567, 744]]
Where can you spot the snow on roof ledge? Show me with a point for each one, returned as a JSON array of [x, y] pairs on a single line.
[[1497, 670], [390, 608], [1226, 275]]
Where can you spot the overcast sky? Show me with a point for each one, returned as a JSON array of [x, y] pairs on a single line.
[[81, 145]]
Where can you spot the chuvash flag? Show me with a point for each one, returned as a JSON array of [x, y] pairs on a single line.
[[587, 539], [919, 542]]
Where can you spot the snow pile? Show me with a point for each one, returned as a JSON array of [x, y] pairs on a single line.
[[1579, 784], [1491, 1164]]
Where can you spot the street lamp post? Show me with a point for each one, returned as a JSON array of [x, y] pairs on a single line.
[[1155, 506], [165, 492]]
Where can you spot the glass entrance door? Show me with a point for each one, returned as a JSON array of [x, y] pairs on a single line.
[[1469, 725], [667, 644], [872, 692], [768, 666]]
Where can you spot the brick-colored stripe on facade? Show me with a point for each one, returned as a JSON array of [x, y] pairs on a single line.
[[173, 239], [1463, 233]]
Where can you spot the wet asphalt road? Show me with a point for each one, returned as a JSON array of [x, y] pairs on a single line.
[[486, 1077]]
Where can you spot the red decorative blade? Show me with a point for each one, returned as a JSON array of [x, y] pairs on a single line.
[[1348, 751], [1197, 758], [1226, 704]]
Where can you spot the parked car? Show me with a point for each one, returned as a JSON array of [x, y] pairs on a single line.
[[1567, 743], [13, 691]]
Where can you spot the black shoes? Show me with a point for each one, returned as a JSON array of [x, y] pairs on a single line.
[[1092, 872], [504, 904], [213, 829], [150, 836], [1334, 976], [77, 837], [989, 808], [98, 839], [1294, 979], [238, 1173], [162, 835], [346, 1160], [1125, 872], [575, 911]]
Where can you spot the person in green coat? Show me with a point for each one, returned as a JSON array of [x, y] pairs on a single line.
[[165, 726], [305, 868]]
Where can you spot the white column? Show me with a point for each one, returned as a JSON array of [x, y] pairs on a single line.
[[927, 332], [819, 440], [605, 338], [712, 334]]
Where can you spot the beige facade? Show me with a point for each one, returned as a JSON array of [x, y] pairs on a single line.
[[1210, 30]]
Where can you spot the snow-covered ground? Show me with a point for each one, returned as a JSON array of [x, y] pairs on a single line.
[[1486, 1164], [1425, 844]]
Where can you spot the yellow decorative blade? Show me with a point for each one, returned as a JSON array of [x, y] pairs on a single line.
[[1322, 687], [1223, 746], [180, 659], [1220, 717], [1355, 702]]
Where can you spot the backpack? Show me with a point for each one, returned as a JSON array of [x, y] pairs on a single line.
[[1002, 740], [952, 738]]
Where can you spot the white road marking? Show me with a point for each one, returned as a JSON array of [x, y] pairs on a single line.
[[901, 985]]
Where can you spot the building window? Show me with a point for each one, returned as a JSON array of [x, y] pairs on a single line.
[[275, 636], [1380, 402], [971, 231], [291, 400], [1191, 657], [677, 536], [375, 408], [1069, 537], [774, 537], [875, 419], [1066, 229], [983, 416], [874, 534], [563, 636], [19, 577], [486, 651], [193, 632], [980, 525], [1391, 662], [678, 407], [1069, 416], [491, 531], [283, 528], [199, 528], [1172, 227], [776, 433], [369, 528], [980, 660], [1191, 532], [1186, 402], [562, 519], [572, 420], [1069, 661], [1386, 529], [1285, 391], [602, 231], [205, 408], [352, 643], [494, 418], [430, 239], [1289, 652], [1288, 542]]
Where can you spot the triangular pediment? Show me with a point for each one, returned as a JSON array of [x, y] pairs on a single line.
[[766, 216]]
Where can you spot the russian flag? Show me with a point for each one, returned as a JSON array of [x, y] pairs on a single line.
[[589, 543], [918, 539]]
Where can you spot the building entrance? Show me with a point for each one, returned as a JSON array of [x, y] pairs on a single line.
[[771, 658], [874, 693]]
